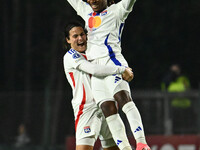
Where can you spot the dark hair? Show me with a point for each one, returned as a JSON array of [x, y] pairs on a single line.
[[108, 1], [68, 27]]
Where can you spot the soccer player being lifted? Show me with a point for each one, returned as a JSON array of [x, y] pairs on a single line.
[[105, 25]]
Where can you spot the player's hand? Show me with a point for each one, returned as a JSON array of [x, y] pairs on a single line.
[[128, 74]]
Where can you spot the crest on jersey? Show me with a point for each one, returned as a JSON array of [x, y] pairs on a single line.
[[87, 129], [76, 55], [104, 12]]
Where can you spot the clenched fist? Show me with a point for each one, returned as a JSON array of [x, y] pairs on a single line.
[[128, 74]]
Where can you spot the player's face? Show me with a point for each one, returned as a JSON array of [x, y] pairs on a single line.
[[97, 5], [77, 39]]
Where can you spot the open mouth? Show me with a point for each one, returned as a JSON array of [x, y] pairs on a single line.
[[94, 6], [81, 44]]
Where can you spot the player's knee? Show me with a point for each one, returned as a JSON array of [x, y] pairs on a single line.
[[122, 97], [109, 108]]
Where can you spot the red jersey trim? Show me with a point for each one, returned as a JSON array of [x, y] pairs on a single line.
[[84, 56], [72, 77], [80, 112]]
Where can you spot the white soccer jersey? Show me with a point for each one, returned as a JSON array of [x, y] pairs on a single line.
[[80, 81], [105, 28], [80, 84]]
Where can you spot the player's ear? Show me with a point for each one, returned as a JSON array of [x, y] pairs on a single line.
[[68, 40]]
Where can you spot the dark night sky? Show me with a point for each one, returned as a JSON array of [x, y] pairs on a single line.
[[156, 34]]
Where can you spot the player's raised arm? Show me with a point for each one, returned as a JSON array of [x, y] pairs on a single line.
[[79, 6], [128, 4], [124, 8], [74, 3]]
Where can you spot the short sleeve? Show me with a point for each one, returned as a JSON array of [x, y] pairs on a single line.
[[72, 59]]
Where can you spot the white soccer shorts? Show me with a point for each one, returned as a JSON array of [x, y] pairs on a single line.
[[91, 125], [104, 88]]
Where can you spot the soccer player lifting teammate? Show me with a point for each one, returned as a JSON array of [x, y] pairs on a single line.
[[105, 25], [89, 120]]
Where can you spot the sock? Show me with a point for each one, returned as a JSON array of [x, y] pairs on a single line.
[[135, 121], [117, 129]]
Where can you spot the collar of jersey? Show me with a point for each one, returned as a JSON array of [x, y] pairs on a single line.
[[94, 14]]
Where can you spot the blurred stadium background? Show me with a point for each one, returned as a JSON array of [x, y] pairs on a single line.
[[35, 92]]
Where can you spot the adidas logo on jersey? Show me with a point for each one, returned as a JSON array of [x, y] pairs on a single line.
[[117, 79], [104, 12], [138, 129]]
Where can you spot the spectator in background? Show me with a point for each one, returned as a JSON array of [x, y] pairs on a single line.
[[175, 81], [22, 139]]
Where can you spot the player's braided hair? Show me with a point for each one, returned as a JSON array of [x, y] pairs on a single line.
[[68, 27], [109, 2]]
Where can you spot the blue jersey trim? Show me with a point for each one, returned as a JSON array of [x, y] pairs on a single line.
[[94, 14], [120, 31], [71, 51], [111, 53]]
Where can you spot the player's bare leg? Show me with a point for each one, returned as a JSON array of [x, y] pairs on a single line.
[[125, 102], [112, 148], [84, 147]]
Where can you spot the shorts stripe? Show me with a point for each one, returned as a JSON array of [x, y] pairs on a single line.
[[81, 107]]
